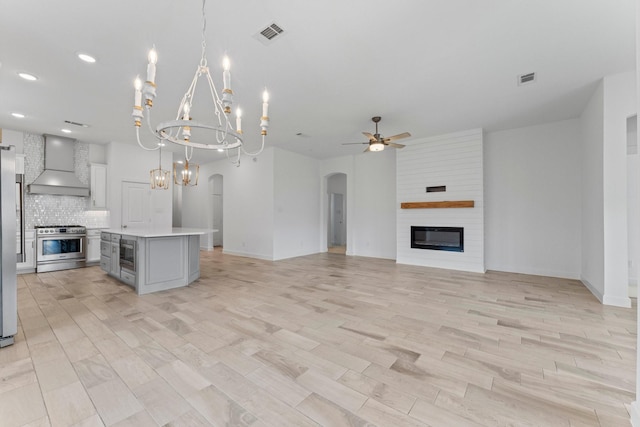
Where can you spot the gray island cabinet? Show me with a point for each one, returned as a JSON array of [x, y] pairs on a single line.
[[151, 260]]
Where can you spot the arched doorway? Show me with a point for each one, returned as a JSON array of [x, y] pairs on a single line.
[[337, 213], [216, 201]]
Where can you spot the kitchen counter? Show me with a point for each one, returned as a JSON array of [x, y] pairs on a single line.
[[160, 232], [162, 258]]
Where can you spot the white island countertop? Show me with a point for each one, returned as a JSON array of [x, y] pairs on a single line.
[[159, 232]]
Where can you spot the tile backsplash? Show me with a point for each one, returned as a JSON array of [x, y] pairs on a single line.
[[44, 209]]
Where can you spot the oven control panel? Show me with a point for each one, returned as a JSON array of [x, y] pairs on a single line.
[[75, 229]]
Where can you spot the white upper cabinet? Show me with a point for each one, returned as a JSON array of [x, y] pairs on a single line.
[[98, 186]]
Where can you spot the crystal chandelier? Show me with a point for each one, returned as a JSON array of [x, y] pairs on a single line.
[[159, 177], [220, 133]]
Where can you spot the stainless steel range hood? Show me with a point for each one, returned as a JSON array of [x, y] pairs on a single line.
[[58, 177]]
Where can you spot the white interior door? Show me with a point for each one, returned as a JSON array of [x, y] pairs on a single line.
[[136, 200]]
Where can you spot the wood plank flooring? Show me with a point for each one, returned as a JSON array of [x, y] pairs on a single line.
[[322, 340]]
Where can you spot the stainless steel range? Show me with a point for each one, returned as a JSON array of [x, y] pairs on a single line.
[[60, 247]]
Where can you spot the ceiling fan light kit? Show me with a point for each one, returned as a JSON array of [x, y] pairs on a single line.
[[376, 146], [377, 142]]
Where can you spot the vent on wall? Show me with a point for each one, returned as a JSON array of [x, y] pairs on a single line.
[[524, 79], [269, 34]]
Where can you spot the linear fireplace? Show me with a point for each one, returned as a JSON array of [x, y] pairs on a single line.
[[438, 238]]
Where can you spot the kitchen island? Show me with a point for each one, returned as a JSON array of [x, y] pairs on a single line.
[[152, 260]]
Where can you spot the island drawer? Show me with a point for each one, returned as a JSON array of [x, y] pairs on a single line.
[[105, 263], [105, 248], [128, 278]]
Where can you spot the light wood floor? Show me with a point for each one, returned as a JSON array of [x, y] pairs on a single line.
[[319, 340], [337, 249]]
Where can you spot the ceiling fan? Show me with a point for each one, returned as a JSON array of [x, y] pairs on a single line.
[[377, 142]]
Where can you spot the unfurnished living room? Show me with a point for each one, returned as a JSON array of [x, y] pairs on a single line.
[[363, 213]]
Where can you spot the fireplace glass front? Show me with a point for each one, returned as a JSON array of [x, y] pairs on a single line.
[[438, 238]]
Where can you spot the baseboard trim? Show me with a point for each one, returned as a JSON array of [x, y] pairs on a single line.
[[536, 272], [596, 293], [633, 289], [247, 255], [289, 256], [617, 301], [634, 411], [467, 268]]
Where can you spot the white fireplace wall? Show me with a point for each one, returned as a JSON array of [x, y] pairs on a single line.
[[455, 161]]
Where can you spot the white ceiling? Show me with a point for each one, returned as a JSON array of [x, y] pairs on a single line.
[[426, 66]]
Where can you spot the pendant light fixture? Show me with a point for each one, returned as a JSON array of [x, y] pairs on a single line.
[[159, 177], [185, 173]]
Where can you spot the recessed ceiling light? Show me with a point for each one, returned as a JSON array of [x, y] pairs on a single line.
[[86, 58], [220, 150], [28, 76], [179, 162], [65, 130], [18, 115]]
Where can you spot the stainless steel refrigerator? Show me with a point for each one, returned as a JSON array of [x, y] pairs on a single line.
[[8, 227]]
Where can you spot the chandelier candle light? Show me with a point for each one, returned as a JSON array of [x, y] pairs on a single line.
[[221, 135]]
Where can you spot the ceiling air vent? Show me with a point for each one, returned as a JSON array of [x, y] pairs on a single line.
[[268, 34], [82, 125], [524, 79]]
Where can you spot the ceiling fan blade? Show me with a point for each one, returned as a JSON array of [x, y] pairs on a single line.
[[370, 136], [367, 149], [351, 143], [399, 136], [394, 145]]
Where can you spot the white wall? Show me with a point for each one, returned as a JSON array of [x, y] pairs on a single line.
[[633, 204], [633, 209], [176, 195], [533, 199], [619, 104], [604, 189], [247, 207], [634, 409], [374, 218], [370, 202], [592, 227], [296, 204], [15, 138], [97, 153], [276, 207], [128, 162], [453, 160]]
